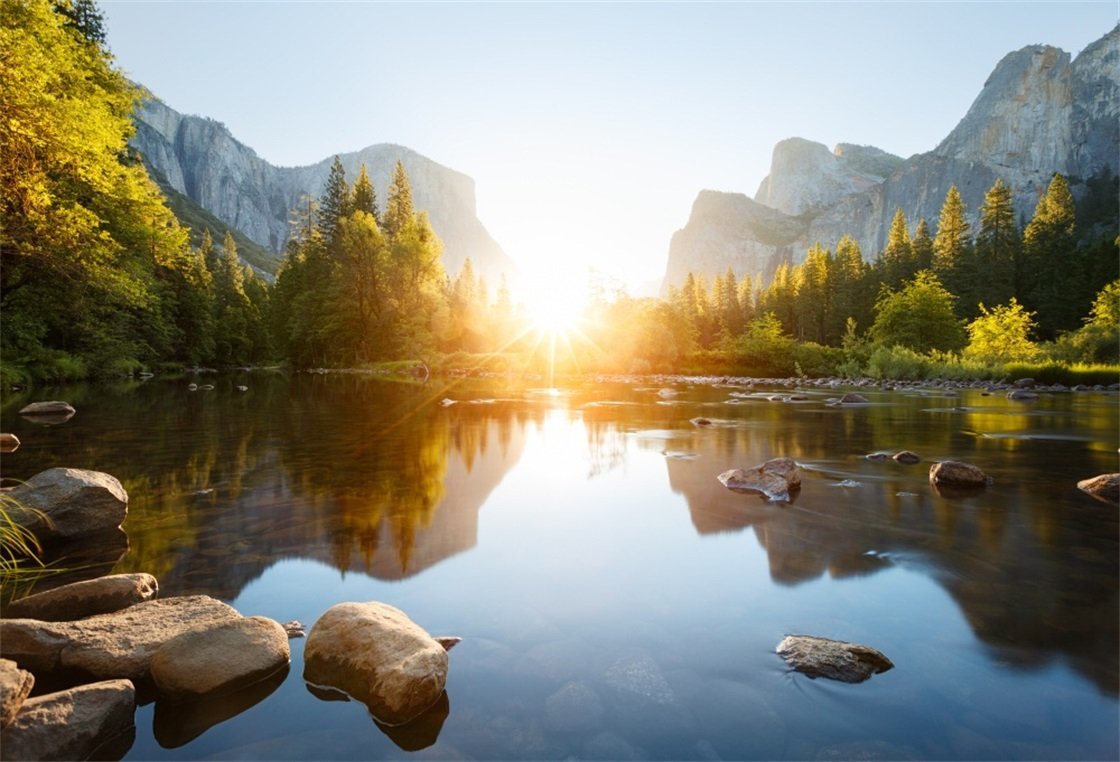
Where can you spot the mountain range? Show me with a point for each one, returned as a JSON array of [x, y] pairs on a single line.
[[1038, 113], [214, 180]]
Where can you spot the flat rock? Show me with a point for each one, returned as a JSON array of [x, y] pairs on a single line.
[[73, 724], [907, 457], [376, 654], [50, 407], [79, 600], [220, 659], [73, 501], [776, 478], [834, 659], [954, 473], [1105, 487], [15, 687], [120, 644]]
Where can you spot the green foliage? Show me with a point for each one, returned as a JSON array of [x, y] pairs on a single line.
[[1052, 274], [19, 548], [1002, 335], [919, 316]]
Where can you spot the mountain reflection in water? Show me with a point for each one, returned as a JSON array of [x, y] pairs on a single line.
[[380, 480]]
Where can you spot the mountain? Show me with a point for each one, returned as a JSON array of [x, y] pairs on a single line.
[[1037, 114], [198, 159]]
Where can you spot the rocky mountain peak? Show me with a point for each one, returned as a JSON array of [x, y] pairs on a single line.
[[805, 176]]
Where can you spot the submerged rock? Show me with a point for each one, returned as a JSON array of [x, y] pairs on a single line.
[[15, 687], [50, 408], [60, 503], [79, 600], [777, 478], [220, 659], [954, 473], [75, 724], [114, 645], [907, 457], [878, 456], [1105, 487], [834, 659], [376, 654]]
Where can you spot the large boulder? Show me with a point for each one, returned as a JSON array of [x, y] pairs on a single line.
[[1105, 487], [834, 659], [75, 724], [221, 659], [79, 600], [15, 687], [777, 479], [120, 644], [376, 654], [61, 503], [955, 473]]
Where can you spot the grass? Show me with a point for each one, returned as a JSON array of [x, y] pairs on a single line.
[[19, 548]]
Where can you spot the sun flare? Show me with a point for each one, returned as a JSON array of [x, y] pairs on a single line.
[[554, 307]]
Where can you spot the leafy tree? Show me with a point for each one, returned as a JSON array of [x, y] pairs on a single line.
[[918, 316], [90, 248], [1098, 340], [1002, 335]]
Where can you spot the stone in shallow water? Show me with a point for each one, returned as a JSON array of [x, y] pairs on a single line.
[[79, 600], [73, 724], [1105, 487], [834, 659], [954, 473], [777, 478]]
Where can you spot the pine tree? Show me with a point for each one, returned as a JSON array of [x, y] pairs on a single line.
[[85, 18], [895, 259], [1052, 272], [334, 204], [997, 246], [363, 198], [851, 290], [952, 251], [813, 298], [921, 249], [398, 206]]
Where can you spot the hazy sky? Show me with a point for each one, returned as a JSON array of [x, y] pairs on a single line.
[[589, 128]]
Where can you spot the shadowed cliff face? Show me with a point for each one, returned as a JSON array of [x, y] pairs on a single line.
[[200, 159], [1038, 113]]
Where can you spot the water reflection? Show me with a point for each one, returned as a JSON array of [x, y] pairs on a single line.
[[379, 479]]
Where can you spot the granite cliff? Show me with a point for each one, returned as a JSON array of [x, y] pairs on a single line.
[[201, 160], [1038, 113]]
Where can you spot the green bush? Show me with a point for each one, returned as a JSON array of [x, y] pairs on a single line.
[[1054, 372]]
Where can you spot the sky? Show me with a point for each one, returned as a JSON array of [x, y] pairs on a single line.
[[589, 128]]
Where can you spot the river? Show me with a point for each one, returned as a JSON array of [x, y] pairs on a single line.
[[614, 599]]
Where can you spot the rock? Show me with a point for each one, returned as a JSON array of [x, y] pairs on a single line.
[[954, 473], [852, 398], [72, 724], [776, 478], [52, 408], [1021, 395], [294, 629], [220, 659], [242, 388], [1105, 487], [574, 708], [79, 600], [1024, 383], [9, 443], [701, 422], [834, 659], [73, 501], [15, 687], [907, 457], [448, 641], [379, 656], [667, 393], [120, 644], [878, 456]]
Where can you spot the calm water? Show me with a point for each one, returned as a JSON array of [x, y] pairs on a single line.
[[614, 600]]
